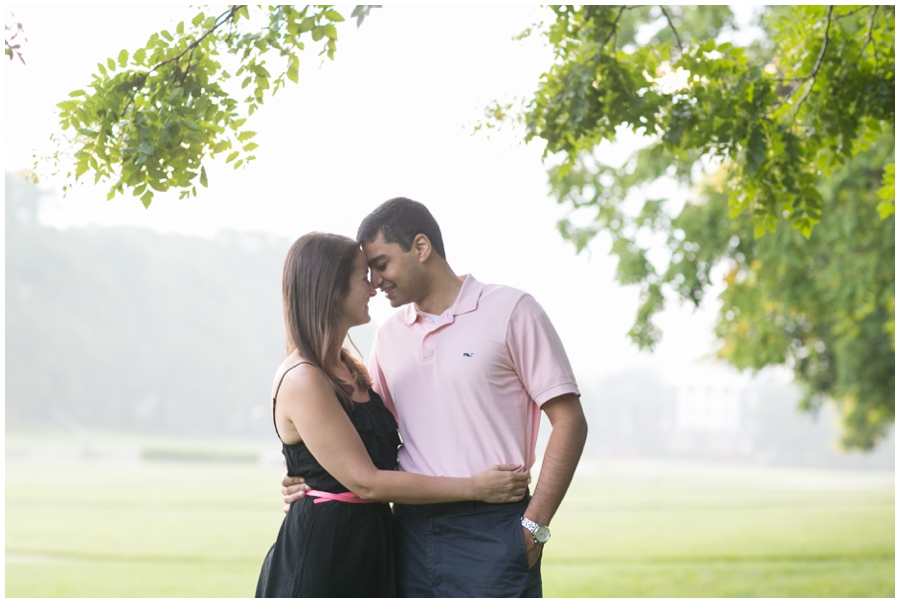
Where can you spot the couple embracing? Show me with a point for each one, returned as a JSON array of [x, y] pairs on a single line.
[[443, 423]]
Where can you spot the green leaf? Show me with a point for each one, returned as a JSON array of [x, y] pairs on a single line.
[[139, 55], [203, 180], [307, 24], [123, 58], [111, 64], [361, 11], [293, 70], [77, 93], [81, 167], [759, 229], [231, 157], [333, 15], [246, 135], [147, 198]]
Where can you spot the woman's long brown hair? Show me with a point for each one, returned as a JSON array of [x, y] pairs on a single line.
[[317, 272]]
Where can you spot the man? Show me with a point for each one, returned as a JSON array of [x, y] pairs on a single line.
[[467, 369]]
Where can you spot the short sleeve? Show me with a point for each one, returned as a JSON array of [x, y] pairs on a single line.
[[537, 352]]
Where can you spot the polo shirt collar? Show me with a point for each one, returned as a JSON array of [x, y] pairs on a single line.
[[466, 300]]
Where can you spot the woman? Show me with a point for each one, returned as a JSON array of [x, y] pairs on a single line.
[[337, 433]]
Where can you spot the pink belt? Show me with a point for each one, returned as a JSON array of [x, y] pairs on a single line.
[[347, 497]]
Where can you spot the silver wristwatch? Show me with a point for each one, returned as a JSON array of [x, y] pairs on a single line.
[[541, 534]]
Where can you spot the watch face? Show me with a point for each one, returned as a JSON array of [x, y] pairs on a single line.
[[542, 534]]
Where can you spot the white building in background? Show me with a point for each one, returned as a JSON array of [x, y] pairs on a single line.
[[708, 411], [711, 408]]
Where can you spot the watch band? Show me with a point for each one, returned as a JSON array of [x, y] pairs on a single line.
[[541, 534]]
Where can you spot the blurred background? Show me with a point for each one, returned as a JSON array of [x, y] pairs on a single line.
[[141, 343]]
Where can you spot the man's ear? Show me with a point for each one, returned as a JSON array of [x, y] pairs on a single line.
[[422, 246]]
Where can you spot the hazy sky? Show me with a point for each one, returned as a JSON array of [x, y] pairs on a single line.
[[392, 115]]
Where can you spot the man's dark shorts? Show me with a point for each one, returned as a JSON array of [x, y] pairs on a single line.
[[465, 549]]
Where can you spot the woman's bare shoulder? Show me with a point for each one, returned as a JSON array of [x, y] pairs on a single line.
[[297, 376]]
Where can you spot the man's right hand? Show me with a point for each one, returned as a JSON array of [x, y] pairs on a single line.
[[293, 488]]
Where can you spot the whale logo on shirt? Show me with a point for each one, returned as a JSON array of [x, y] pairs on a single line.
[[468, 354]]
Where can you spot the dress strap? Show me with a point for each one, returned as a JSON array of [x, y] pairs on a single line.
[[277, 389]]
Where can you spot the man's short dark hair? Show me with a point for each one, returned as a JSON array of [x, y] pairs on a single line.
[[399, 220]]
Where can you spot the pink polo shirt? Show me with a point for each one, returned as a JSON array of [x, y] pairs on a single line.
[[467, 390]]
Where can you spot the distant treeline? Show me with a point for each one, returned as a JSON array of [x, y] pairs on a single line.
[[128, 328]]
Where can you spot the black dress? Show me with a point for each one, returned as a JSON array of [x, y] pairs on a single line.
[[336, 549]]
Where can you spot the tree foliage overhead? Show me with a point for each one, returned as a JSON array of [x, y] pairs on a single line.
[[795, 128], [781, 113], [13, 48], [150, 117]]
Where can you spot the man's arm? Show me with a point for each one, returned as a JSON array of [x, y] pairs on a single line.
[[567, 438]]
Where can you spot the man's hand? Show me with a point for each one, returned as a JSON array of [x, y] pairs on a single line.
[[532, 549], [292, 488]]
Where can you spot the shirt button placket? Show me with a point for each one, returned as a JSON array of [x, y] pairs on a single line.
[[428, 347]]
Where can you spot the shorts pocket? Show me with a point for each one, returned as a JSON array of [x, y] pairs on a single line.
[[522, 550]]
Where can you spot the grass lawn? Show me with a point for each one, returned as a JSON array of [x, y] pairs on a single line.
[[627, 529]]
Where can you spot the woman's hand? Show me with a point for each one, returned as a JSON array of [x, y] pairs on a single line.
[[501, 484]]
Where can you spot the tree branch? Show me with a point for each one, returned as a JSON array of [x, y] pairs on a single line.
[[614, 28], [869, 35], [139, 83], [851, 12], [815, 71], [187, 67], [672, 27], [220, 20], [13, 49]]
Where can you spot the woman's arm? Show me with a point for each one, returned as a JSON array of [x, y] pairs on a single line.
[[308, 401]]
